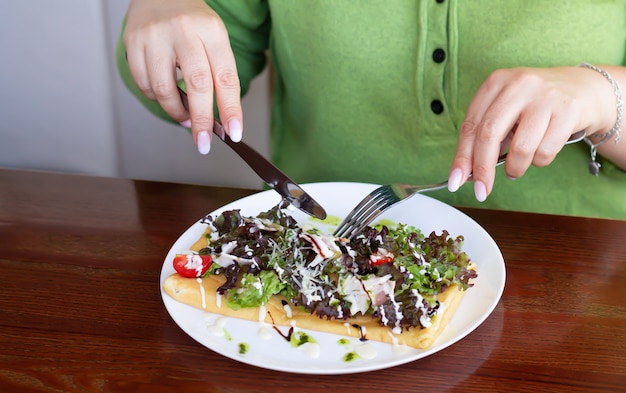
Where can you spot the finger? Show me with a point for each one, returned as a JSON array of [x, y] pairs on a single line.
[[161, 66], [196, 72], [559, 131], [504, 145], [227, 85], [499, 119], [137, 65], [523, 146], [462, 162], [463, 159]]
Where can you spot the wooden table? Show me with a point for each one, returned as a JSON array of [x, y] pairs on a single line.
[[80, 309]]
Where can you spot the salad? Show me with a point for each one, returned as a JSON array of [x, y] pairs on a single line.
[[392, 273]]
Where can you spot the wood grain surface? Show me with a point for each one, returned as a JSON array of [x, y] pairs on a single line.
[[81, 311]]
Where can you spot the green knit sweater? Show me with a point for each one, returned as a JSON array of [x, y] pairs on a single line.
[[375, 91]]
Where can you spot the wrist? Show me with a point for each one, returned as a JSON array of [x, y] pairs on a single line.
[[597, 139]]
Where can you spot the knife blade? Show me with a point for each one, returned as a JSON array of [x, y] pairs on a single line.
[[271, 175]]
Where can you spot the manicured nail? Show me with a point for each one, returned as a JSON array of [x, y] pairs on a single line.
[[234, 130], [480, 191], [454, 181], [186, 123], [204, 142]]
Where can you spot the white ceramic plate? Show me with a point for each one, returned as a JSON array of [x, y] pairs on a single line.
[[275, 353]]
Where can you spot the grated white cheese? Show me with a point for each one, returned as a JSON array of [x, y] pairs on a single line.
[[226, 259]]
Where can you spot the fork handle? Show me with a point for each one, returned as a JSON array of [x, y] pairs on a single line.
[[408, 189]]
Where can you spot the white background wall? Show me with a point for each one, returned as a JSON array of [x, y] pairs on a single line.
[[64, 108]]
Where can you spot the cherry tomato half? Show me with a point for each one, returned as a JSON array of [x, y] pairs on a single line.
[[379, 259], [192, 265]]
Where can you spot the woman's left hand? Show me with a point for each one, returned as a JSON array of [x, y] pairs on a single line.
[[532, 112]]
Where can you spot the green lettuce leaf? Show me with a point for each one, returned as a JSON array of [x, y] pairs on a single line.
[[255, 290]]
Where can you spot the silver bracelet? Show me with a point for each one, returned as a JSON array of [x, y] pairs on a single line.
[[594, 166]]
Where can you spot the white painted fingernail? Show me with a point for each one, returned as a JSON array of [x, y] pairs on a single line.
[[480, 191], [186, 123], [234, 130], [204, 142], [454, 181]]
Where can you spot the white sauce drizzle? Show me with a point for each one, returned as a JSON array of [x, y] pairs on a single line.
[[366, 351], [401, 349], [218, 300], [396, 347], [264, 332], [394, 339], [202, 293], [288, 311], [225, 259], [217, 327], [312, 350], [194, 262], [262, 314], [424, 318]]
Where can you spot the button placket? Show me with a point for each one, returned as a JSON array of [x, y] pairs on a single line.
[[434, 67]]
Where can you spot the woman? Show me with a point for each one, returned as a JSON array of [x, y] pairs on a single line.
[[395, 91]]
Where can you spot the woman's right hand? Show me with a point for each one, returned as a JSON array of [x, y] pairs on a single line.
[[163, 38]]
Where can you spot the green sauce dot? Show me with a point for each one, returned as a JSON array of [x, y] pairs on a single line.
[[386, 222], [300, 338], [350, 356], [243, 348], [330, 220]]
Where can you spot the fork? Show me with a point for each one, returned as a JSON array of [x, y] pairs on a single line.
[[388, 195]]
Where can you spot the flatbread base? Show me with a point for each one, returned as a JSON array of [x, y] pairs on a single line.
[[202, 294]]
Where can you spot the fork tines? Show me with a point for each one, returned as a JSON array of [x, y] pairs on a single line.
[[369, 208]]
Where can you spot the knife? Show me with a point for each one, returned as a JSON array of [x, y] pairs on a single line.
[[274, 177]]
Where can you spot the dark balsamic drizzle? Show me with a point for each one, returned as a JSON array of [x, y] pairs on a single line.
[[361, 334], [283, 335]]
